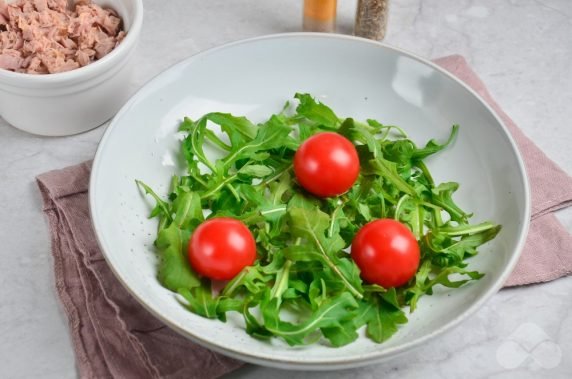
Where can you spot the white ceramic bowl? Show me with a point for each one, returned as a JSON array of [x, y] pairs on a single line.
[[79, 100], [358, 78]]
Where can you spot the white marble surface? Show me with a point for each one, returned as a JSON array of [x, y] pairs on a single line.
[[522, 49]]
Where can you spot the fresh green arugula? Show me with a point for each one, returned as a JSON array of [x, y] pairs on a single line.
[[303, 268]]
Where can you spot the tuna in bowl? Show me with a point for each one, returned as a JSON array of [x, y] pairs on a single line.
[[87, 78], [48, 37]]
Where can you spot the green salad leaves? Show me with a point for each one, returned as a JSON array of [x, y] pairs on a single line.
[[304, 287]]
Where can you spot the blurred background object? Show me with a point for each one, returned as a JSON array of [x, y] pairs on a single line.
[[371, 19], [319, 16]]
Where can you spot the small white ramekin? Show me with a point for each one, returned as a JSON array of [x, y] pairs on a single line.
[[79, 100]]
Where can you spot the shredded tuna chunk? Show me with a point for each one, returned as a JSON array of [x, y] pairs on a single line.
[[11, 59], [44, 36], [41, 5]]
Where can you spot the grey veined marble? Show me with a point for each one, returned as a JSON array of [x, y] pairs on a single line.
[[522, 49]]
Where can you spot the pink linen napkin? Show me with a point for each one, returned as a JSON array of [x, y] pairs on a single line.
[[547, 254], [115, 337]]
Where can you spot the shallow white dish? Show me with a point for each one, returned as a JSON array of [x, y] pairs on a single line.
[[356, 78]]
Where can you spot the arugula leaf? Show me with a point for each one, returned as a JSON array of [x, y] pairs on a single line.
[[330, 314], [340, 335], [255, 171], [227, 304], [382, 317], [269, 136], [233, 126], [195, 141], [281, 282], [359, 133], [188, 210], [466, 229], [424, 283], [442, 196], [174, 270], [446, 251], [350, 271], [388, 171], [316, 112], [161, 207], [201, 300], [274, 207], [433, 146], [254, 327], [253, 279], [404, 151], [400, 151], [302, 269], [311, 225]]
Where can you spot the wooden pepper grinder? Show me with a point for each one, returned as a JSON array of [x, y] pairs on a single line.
[[320, 15]]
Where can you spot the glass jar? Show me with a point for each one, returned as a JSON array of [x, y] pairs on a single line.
[[371, 19], [320, 15]]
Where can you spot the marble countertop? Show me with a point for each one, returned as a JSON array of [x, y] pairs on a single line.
[[522, 49]]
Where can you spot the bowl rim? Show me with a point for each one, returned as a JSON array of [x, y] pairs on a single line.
[[21, 79], [317, 363]]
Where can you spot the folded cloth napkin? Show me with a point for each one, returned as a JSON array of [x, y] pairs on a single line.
[[115, 337], [547, 254]]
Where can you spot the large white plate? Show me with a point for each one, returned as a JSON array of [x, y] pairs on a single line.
[[358, 78]]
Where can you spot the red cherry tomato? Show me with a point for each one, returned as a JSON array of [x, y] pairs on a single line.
[[326, 164], [386, 252], [221, 247]]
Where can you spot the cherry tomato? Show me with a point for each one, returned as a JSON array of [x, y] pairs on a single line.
[[386, 252], [221, 247], [326, 164]]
